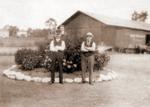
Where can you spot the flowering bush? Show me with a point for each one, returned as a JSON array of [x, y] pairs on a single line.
[[30, 59], [101, 60], [47, 60], [71, 61]]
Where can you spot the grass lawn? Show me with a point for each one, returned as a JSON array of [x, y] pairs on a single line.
[[131, 89]]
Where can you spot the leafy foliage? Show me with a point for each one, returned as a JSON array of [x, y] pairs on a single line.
[[141, 16], [13, 30], [71, 58], [21, 54], [29, 59], [72, 61], [30, 62], [101, 60]]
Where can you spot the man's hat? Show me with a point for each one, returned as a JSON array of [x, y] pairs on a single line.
[[89, 34]]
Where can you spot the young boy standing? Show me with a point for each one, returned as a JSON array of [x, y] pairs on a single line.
[[57, 46], [88, 48]]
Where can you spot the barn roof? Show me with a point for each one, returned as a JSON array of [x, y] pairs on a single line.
[[112, 21]]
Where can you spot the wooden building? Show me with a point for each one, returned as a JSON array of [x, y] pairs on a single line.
[[110, 31]]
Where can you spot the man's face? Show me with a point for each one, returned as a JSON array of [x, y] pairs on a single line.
[[89, 38]]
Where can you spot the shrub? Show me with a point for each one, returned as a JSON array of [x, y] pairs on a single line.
[[30, 59], [21, 54], [47, 60], [71, 61], [101, 60], [30, 62]]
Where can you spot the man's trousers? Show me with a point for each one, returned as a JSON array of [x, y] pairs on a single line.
[[87, 63]]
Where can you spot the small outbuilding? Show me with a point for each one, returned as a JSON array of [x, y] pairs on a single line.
[[110, 31]]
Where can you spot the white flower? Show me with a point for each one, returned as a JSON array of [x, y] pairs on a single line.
[[64, 63], [75, 65], [70, 62], [68, 66], [64, 60]]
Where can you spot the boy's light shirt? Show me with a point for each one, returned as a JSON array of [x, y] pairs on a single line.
[[86, 49], [57, 48]]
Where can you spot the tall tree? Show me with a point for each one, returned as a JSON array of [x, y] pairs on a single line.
[[12, 30], [29, 31], [52, 25], [141, 16]]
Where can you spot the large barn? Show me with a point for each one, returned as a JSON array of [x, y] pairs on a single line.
[[110, 31]]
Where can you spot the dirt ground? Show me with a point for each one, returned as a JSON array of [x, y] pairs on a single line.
[[130, 89]]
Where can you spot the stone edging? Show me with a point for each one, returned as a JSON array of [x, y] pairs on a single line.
[[11, 74]]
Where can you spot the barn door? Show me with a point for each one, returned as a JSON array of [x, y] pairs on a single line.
[[147, 41]]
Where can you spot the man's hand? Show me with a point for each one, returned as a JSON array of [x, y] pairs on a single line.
[[87, 48]]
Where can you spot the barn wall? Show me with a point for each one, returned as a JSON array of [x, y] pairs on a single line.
[[109, 35], [82, 24], [129, 38]]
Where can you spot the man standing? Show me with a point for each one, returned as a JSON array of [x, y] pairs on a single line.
[[57, 46], [88, 48]]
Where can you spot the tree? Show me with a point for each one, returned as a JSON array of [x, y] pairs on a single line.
[[29, 31], [38, 32], [12, 30], [141, 17], [52, 25]]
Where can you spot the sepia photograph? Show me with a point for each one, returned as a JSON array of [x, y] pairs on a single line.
[[74, 53]]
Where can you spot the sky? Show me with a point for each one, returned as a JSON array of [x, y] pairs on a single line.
[[34, 13]]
